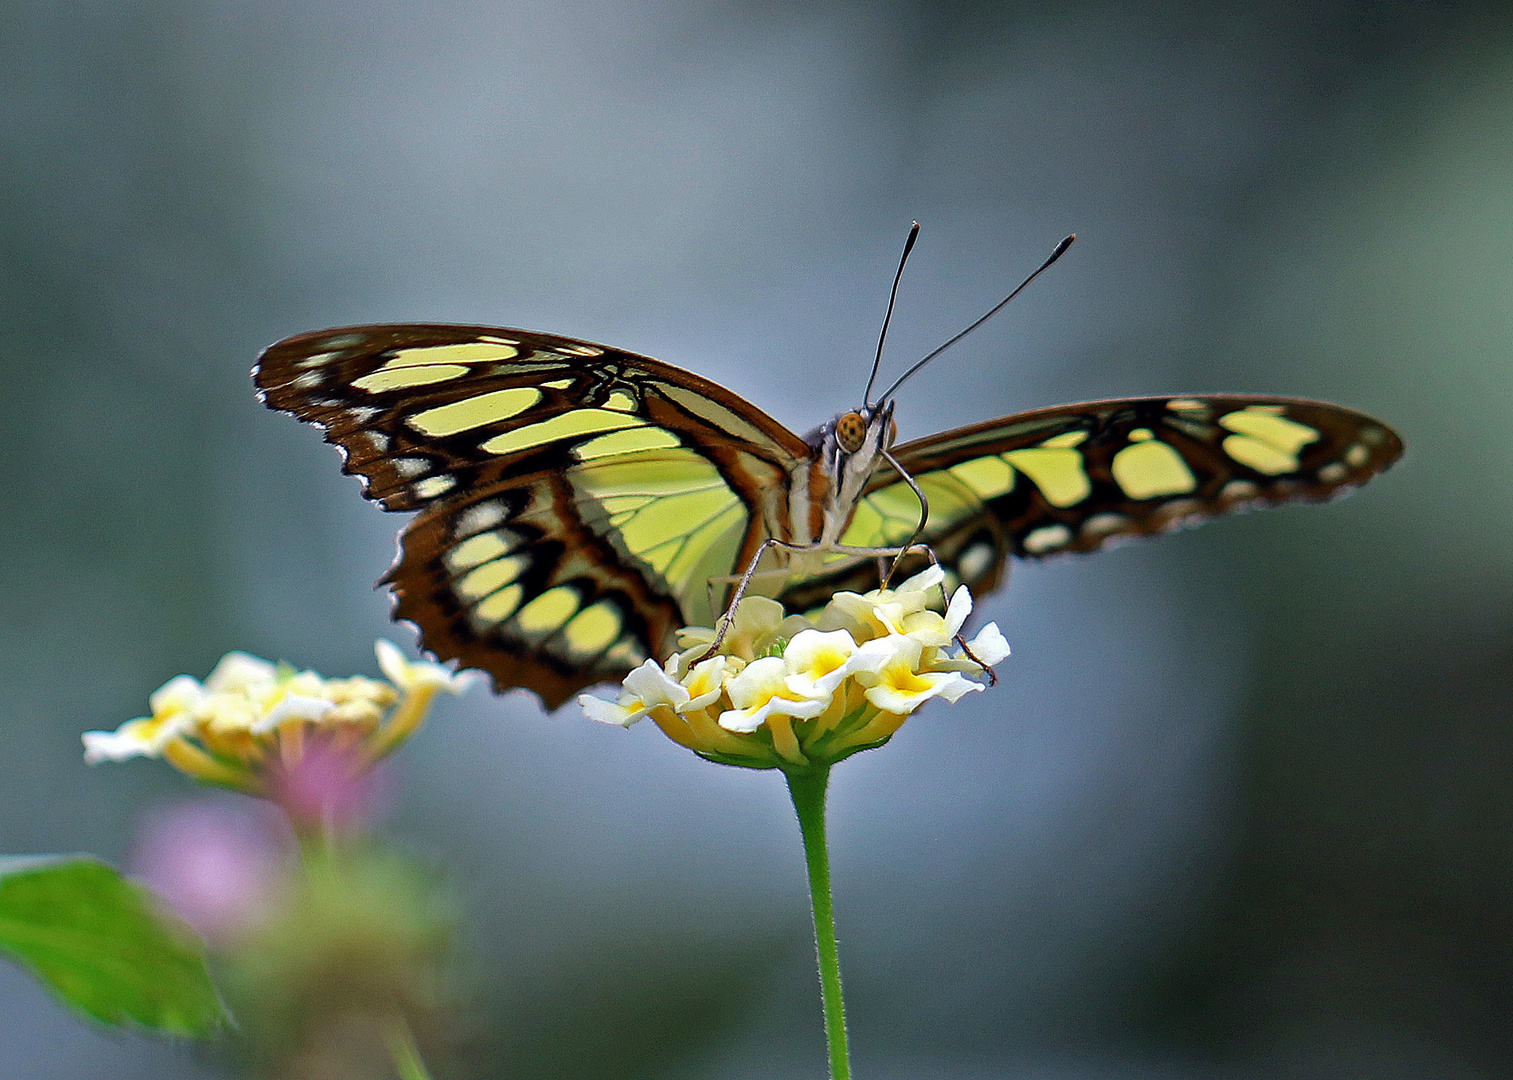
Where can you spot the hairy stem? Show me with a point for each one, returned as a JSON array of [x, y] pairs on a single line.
[[807, 788]]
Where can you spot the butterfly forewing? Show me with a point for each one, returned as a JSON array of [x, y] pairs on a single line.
[[577, 499], [1077, 478]]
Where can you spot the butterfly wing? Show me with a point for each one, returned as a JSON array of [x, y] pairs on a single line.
[[574, 499], [1078, 478]]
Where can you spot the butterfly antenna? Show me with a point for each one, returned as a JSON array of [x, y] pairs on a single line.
[[892, 299], [1060, 251]]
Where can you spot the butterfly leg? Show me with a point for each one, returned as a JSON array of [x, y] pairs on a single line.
[[929, 553], [715, 583], [899, 553], [723, 625]]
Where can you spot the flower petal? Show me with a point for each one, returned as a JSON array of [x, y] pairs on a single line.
[[849, 610], [927, 628], [754, 626], [749, 719], [293, 707], [411, 675], [921, 583], [951, 685], [607, 712], [761, 690], [143, 737], [989, 645], [958, 610], [650, 684], [816, 662], [743, 721], [239, 671], [758, 681], [901, 690], [179, 694], [705, 682], [879, 653]]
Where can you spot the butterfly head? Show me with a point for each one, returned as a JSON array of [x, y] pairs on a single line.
[[852, 444]]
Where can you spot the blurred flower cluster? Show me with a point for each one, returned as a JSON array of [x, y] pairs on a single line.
[[329, 945], [271, 730], [327, 954], [792, 691]]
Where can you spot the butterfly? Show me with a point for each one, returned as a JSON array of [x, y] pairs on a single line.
[[577, 504]]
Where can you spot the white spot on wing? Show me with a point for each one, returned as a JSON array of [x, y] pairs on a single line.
[[1180, 512], [478, 517], [433, 486], [1104, 524], [1047, 537], [343, 341], [975, 561]]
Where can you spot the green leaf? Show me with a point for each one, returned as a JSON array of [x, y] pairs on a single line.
[[102, 944]]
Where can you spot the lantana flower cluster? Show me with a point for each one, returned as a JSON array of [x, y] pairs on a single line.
[[252, 722], [790, 691]]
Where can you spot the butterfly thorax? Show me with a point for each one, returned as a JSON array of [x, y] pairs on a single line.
[[825, 489]]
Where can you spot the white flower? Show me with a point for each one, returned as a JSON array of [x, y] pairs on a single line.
[[751, 632], [179, 694], [411, 675], [889, 668], [989, 645], [143, 737], [707, 680], [250, 715], [958, 610], [238, 673], [644, 689], [816, 662], [888, 611], [761, 690]]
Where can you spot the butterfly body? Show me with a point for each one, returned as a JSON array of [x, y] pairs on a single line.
[[827, 487], [578, 503]]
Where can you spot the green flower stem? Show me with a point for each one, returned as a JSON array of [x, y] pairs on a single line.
[[404, 1052], [807, 788]]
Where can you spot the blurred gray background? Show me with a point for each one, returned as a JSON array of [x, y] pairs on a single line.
[[1242, 803]]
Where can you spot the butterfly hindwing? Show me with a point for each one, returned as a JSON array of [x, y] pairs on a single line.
[[575, 499], [1077, 478]]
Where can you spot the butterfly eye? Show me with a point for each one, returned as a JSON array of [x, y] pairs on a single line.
[[892, 432], [851, 432]]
